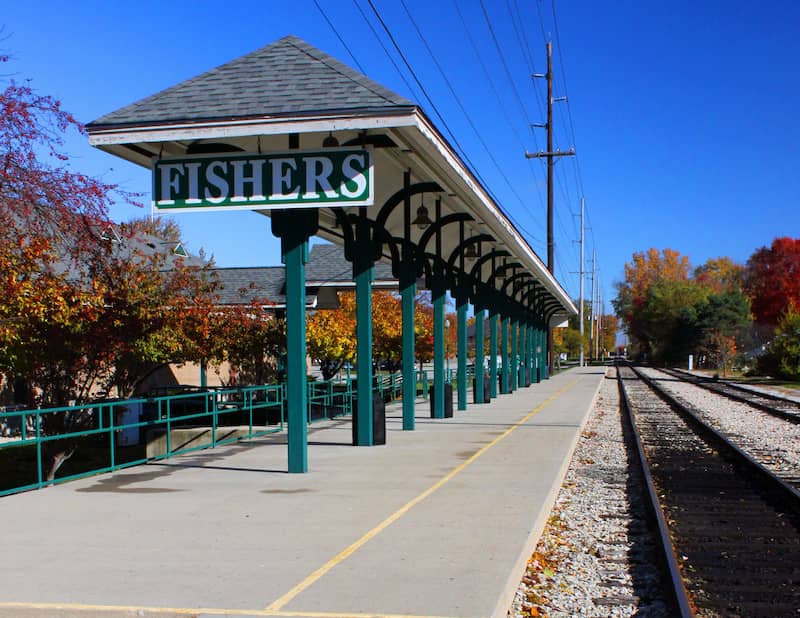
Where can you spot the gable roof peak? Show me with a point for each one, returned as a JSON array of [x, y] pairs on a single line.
[[286, 78]]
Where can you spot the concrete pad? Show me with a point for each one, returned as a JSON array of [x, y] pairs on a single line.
[[439, 522]]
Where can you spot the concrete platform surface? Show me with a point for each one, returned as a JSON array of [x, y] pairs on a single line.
[[439, 522]]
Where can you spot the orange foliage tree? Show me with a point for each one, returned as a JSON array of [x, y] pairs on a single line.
[[331, 335], [251, 340], [387, 331], [645, 270], [719, 275], [609, 326], [423, 328]]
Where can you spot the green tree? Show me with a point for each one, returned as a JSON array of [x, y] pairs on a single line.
[[783, 354], [722, 321], [567, 340], [667, 319]]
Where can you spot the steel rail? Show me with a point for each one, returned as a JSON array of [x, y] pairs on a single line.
[[719, 555], [781, 488], [720, 388], [680, 595]]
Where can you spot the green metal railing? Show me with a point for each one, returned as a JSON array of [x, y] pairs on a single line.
[[111, 435], [103, 430], [329, 399]]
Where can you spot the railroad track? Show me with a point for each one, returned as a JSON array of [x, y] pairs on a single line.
[[781, 407], [767, 438], [731, 529]]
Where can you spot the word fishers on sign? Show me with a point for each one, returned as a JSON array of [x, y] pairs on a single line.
[[296, 179]]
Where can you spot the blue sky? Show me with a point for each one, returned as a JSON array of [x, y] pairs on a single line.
[[684, 113]]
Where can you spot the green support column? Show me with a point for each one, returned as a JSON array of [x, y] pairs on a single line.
[[504, 355], [203, 374], [546, 351], [480, 396], [523, 355], [531, 350], [461, 312], [362, 274], [514, 364], [294, 227], [539, 354], [407, 293], [493, 355], [438, 299]]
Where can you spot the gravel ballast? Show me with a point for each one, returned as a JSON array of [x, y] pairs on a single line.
[[773, 441], [597, 555]]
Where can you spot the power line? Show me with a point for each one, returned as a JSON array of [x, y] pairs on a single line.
[[438, 113], [385, 51], [508, 73], [502, 106], [511, 82], [425, 92], [459, 103], [338, 36], [526, 51]]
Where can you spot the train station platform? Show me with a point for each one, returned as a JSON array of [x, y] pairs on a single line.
[[439, 522]]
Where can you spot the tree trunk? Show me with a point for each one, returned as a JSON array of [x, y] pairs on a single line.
[[56, 460]]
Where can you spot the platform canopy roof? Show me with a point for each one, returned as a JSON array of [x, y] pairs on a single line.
[[291, 92]]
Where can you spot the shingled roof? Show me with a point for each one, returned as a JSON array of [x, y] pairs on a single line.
[[326, 272], [241, 286], [327, 265], [286, 78]]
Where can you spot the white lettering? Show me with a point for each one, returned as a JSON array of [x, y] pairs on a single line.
[[170, 183], [194, 191], [239, 179], [218, 181], [282, 177], [354, 175], [318, 171]]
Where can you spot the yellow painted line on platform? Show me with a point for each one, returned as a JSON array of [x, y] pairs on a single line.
[[281, 602], [347, 615], [193, 611]]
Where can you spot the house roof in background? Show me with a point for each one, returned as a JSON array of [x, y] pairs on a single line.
[[242, 286], [327, 265], [326, 268]]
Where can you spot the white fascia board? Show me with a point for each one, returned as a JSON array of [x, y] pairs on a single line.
[[243, 128], [503, 225]]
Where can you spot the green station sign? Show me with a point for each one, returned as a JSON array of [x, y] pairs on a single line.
[[295, 179]]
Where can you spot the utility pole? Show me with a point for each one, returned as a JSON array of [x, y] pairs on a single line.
[[592, 322], [549, 154], [581, 295], [598, 346]]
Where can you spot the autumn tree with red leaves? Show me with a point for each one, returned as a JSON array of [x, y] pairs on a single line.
[[772, 280], [47, 216], [83, 307]]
